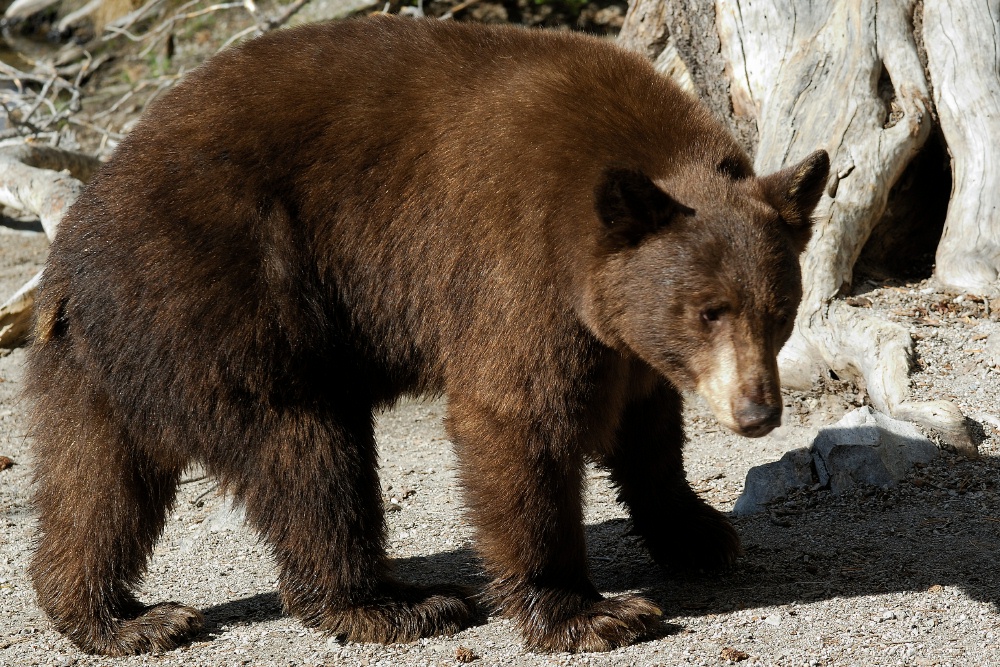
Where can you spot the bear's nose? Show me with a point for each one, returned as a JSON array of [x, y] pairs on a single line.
[[755, 419]]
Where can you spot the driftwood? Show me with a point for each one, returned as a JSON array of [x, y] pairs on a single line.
[[844, 76], [41, 181]]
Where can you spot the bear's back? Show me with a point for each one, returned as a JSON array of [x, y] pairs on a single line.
[[385, 190]]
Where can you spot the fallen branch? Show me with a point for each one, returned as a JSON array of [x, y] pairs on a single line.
[[42, 181], [15, 313], [63, 76], [267, 24], [165, 29], [47, 190], [82, 167], [71, 19], [282, 17], [22, 9], [121, 25]]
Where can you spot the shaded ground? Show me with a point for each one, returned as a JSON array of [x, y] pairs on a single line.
[[880, 577]]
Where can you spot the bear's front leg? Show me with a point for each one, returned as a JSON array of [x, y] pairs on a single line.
[[523, 480], [646, 463]]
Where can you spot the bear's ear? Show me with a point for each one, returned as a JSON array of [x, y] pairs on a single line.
[[631, 206], [796, 190]]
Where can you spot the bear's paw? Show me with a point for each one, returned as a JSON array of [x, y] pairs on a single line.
[[603, 625], [408, 615], [158, 628], [698, 538]]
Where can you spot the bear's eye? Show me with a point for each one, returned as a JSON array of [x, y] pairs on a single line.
[[713, 314]]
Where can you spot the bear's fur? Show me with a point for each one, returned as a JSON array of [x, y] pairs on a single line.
[[535, 224]]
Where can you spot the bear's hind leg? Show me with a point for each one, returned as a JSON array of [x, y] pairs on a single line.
[[646, 463], [312, 491], [102, 504]]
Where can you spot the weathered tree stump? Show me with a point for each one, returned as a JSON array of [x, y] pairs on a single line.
[[962, 39]]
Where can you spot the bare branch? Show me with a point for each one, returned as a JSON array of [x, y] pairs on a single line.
[[287, 12], [240, 35], [44, 181], [122, 24]]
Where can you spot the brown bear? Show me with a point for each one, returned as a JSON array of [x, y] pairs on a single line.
[[535, 224]]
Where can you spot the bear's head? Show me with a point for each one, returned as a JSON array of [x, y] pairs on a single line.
[[698, 275]]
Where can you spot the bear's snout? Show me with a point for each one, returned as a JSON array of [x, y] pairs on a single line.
[[755, 419]]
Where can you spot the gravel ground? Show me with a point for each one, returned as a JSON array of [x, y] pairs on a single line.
[[905, 576]]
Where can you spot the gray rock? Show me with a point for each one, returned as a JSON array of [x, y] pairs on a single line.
[[864, 448], [867, 447], [991, 351], [773, 480]]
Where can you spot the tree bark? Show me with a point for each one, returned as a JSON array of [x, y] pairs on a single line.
[[962, 39], [679, 36]]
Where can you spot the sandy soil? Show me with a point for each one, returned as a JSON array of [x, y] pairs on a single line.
[[904, 576]]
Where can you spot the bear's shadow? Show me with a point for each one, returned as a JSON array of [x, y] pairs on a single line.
[[879, 541], [834, 548]]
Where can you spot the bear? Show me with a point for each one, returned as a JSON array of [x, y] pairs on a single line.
[[536, 225]]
